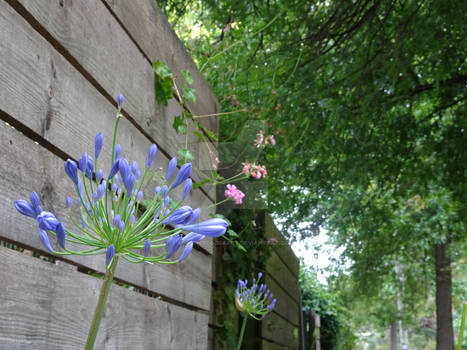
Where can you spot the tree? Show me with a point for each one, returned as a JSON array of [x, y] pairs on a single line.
[[369, 101]]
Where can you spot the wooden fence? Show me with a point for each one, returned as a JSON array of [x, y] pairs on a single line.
[[62, 63], [280, 330]]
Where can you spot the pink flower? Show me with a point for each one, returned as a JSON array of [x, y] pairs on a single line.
[[273, 140], [260, 139], [215, 163], [246, 168], [233, 192], [256, 171]]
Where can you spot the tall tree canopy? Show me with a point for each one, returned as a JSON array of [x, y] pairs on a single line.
[[369, 101]]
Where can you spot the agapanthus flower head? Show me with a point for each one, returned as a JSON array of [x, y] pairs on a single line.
[[255, 300], [233, 192], [111, 221]]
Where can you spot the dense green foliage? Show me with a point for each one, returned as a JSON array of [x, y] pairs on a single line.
[[336, 332], [368, 98]]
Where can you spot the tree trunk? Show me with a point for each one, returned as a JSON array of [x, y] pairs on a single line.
[[444, 330], [393, 341]]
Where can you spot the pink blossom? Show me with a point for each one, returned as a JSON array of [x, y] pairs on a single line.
[[260, 139], [233, 192], [273, 140], [256, 171], [246, 168], [215, 163]]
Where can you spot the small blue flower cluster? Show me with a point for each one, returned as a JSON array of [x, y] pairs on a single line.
[[257, 301], [111, 222]]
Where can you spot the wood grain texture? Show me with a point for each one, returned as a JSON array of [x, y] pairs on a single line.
[[46, 93], [94, 38], [278, 330], [26, 166], [282, 248], [149, 27], [48, 307], [285, 306], [276, 268]]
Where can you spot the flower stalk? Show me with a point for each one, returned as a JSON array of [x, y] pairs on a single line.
[[242, 331], [103, 295]]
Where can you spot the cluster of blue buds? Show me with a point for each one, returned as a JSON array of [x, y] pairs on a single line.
[[257, 301], [112, 221]]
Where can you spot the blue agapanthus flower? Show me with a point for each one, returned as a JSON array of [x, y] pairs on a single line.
[[257, 300], [112, 221]]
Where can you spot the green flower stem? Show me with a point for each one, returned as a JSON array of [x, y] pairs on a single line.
[[242, 331], [104, 293], [461, 330]]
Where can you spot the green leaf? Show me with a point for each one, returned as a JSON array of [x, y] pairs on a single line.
[[163, 91], [187, 76], [189, 94], [179, 125], [241, 247], [186, 155], [161, 70], [201, 183]]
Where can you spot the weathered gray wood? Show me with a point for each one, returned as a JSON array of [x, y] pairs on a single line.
[[282, 275], [48, 307], [89, 32], [26, 166], [149, 27], [278, 330], [47, 94], [285, 306], [282, 248]]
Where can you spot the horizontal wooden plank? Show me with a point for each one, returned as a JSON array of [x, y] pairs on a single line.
[[282, 275], [97, 42], [47, 94], [282, 247], [285, 305], [278, 330], [47, 307], [27, 166], [149, 27]]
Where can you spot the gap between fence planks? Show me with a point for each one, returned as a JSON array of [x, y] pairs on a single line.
[[48, 307], [92, 39], [55, 101]]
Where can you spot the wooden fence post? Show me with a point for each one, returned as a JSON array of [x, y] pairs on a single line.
[[318, 336]]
